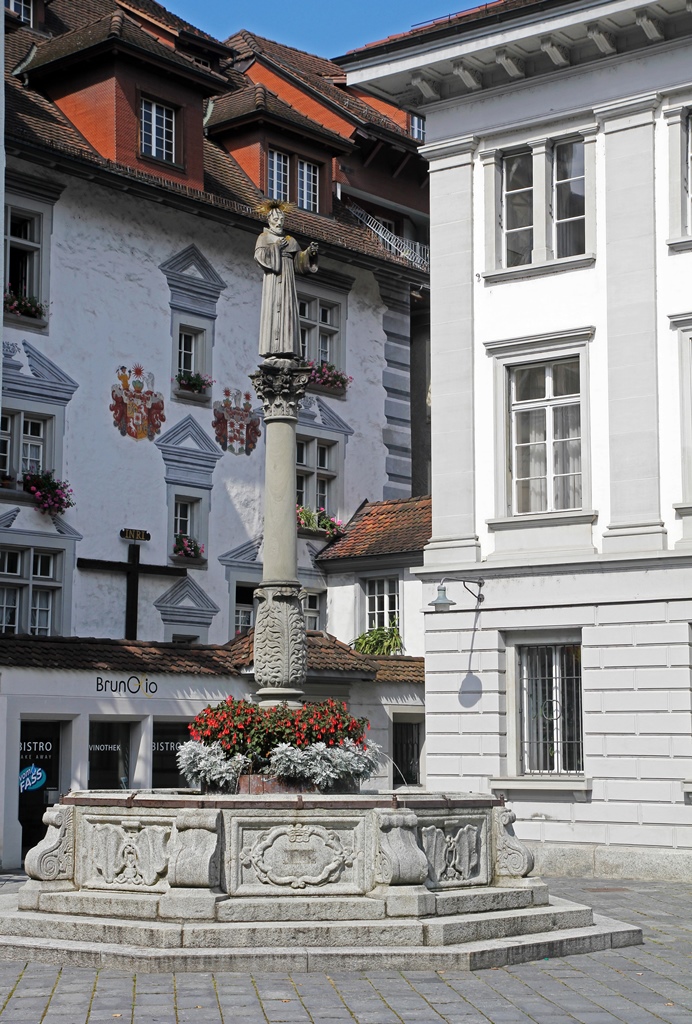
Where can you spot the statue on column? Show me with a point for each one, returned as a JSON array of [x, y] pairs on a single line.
[[281, 258]]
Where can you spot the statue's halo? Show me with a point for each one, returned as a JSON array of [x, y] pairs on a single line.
[[267, 205]]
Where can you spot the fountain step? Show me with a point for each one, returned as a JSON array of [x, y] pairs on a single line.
[[145, 907], [602, 934], [397, 932]]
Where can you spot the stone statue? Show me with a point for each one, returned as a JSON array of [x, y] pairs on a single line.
[[281, 258]]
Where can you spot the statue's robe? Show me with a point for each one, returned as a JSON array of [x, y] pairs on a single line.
[[279, 323]]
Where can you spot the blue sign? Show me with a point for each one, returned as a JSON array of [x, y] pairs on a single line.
[[31, 778]]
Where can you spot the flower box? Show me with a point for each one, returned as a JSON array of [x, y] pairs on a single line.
[[326, 389], [305, 531], [194, 563], [183, 394]]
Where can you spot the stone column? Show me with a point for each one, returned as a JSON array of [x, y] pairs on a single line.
[[280, 650]]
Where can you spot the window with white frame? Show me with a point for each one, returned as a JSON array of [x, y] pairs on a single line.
[[517, 207], [244, 612], [157, 130], [545, 415], [185, 515], [418, 127], [308, 186], [319, 330], [25, 443], [316, 474], [381, 602], [192, 353], [312, 610], [545, 199], [23, 240], [569, 199], [20, 7], [550, 691], [190, 350], [277, 175], [30, 590]]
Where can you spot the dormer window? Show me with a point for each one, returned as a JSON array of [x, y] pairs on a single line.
[[277, 177], [157, 131], [21, 8]]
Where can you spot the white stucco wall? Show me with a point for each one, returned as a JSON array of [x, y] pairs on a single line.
[[110, 307]]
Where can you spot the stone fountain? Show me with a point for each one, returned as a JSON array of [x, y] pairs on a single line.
[[174, 880]]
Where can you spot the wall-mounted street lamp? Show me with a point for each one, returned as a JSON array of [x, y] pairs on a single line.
[[443, 603]]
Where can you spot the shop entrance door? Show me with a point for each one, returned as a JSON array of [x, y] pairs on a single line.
[[39, 777], [109, 755]]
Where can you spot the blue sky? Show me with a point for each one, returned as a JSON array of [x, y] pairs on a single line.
[[328, 29]]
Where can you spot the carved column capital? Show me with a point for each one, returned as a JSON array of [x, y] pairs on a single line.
[[280, 384]]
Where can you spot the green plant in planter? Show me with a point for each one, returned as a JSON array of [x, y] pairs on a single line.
[[380, 641]]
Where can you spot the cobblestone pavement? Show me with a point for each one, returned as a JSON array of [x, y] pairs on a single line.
[[638, 985]]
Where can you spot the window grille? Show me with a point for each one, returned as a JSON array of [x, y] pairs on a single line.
[[551, 710]]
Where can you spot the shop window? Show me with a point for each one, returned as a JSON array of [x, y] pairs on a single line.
[[167, 738], [109, 755]]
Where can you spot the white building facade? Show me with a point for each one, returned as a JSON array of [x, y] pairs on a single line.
[[561, 239]]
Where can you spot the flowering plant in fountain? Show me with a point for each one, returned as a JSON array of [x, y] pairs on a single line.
[[321, 744], [50, 495]]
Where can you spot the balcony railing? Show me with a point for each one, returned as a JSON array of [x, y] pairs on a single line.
[[417, 254]]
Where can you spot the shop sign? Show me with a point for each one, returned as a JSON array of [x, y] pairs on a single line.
[[31, 778], [133, 685]]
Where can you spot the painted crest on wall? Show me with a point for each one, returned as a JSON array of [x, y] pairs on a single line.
[[137, 408], [235, 424]]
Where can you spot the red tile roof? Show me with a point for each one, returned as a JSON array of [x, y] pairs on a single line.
[[35, 124], [254, 101], [384, 528], [400, 668], [115, 30], [70, 653], [63, 15], [315, 72]]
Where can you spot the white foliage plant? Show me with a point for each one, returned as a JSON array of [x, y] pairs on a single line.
[[318, 764]]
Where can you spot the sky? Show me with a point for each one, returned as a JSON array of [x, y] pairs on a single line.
[[318, 26]]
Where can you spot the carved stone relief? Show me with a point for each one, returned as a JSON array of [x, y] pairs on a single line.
[[280, 384], [280, 645], [298, 856], [399, 860], [453, 856], [53, 858], [130, 855], [512, 858]]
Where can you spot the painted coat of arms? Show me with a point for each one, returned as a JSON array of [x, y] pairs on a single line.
[[235, 424], [137, 408]]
